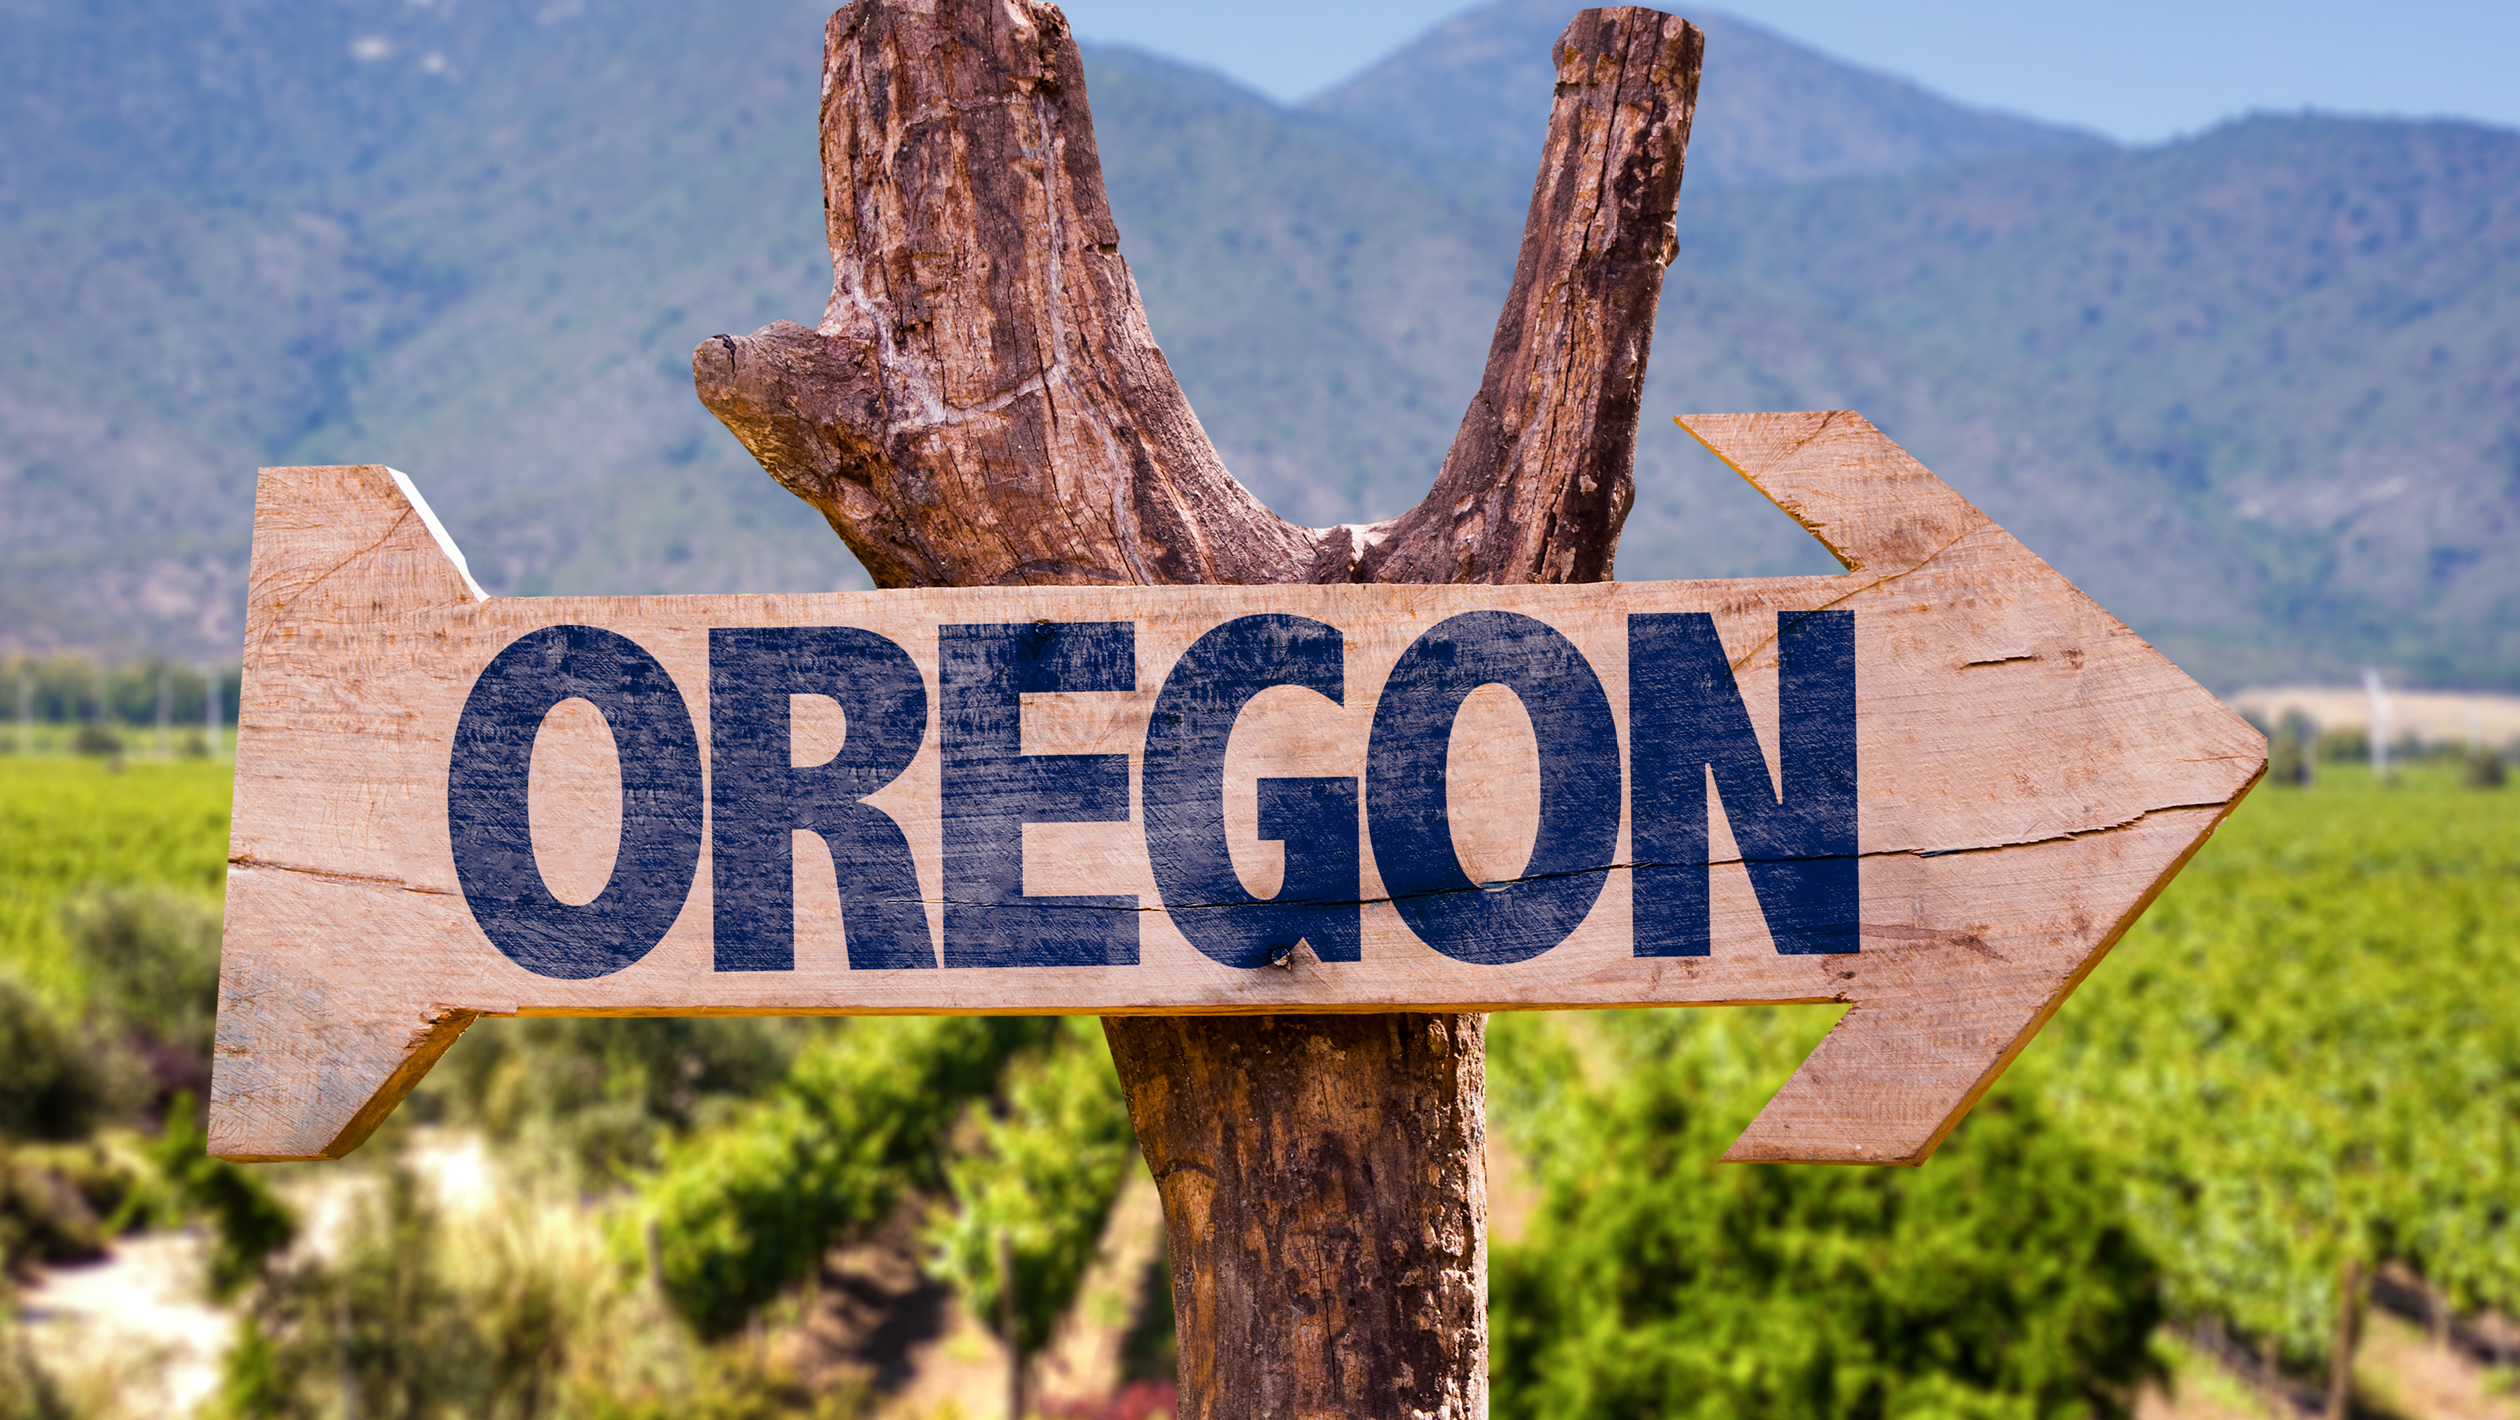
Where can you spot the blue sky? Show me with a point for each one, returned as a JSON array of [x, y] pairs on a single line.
[[2138, 70]]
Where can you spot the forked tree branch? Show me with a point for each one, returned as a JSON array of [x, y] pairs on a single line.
[[983, 403]]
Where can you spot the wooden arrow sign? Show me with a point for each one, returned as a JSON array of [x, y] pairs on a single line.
[[1936, 788]]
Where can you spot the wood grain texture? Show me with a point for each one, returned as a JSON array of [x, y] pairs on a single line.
[[2031, 773], [1541, 474], [982, 402]]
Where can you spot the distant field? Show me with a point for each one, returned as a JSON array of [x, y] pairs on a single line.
[[68, 822], [2435, 717], [2306, 1053]]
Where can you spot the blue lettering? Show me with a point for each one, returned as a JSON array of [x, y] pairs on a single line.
[[1493, 923], [992, 789], [1185, 800], [758, 800], [486, 818], [1686, 717]]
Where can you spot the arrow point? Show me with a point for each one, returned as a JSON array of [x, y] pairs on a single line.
[[344, 558]]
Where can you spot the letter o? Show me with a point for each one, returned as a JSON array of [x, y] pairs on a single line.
[[1581, 787], [660, 802]]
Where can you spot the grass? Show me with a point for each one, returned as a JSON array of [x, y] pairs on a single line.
[[70, 823]]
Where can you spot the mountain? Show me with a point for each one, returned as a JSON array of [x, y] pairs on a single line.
[[475, 242], [2254, 391], [2257, 392], [1477, 88]]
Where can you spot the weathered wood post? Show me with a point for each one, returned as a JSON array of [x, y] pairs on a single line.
[[983, 404]]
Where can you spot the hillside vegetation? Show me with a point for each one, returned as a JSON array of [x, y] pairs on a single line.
[[2255, 390]]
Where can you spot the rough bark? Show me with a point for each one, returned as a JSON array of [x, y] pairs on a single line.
[[1325, 1205], [983, 403], [1543, 470]]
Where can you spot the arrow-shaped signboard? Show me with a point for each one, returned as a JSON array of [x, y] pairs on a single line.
[[1936, 788]]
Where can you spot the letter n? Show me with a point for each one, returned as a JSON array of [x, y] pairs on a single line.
[[1685, 719]]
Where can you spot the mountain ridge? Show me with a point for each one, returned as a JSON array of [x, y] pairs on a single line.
[[2187, 374], [1477, 88]]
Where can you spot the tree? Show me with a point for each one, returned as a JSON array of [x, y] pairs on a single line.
[[983, 404]]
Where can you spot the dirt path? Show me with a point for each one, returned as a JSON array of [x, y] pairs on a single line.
[[132, 1335]]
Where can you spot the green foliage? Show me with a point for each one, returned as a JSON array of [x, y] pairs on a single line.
[[383, 1331], [2482, 769], [58, 1078], [2002, 1280], [51, 1083], [69, 826], [2292, 752], [2345, 746], [1043, 1177], [96, 740], [152, 962], [2309, 1051], [515, 1308], [602, 1096], [743, 1209], [55, 1200], [249, 1225], [74, 690], [738, 1381]]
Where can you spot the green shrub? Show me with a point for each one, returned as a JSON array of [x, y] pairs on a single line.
[[2482, 769], [2345, 746], [151, 958], [2002, 1279], [511, 1310], [55, 1200], [58, 1079], [2308, 1053], [2291, 754], [743, 1209], [95, 739], [69, 824], [1043, 1176], [381, 1322], [249, 1224], [603, 1096]]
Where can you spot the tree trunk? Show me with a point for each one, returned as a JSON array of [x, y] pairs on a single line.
[[984, 404], [2340, 1390]]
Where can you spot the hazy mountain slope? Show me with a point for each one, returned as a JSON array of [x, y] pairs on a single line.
[[1327, 303], [483, 255], [1478, 87], [2257, 392], [1326, 309], [2254, 391]]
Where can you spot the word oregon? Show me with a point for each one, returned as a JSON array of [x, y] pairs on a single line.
[[1687, 724]]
